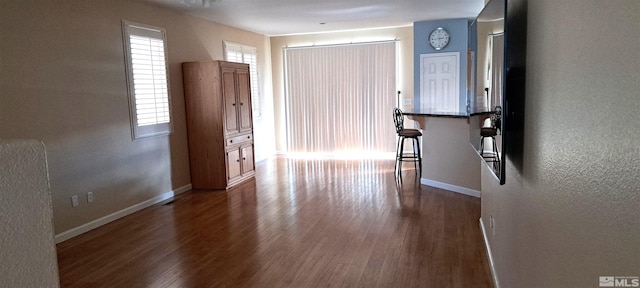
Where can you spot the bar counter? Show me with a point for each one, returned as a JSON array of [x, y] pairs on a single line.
[[448, 160]]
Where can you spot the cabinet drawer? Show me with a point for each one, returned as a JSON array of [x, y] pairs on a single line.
[[239, 139]]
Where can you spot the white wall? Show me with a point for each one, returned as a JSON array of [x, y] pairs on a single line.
[[27, 246], [571, 213], [63, 81]]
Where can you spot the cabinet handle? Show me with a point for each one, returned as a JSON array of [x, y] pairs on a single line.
[[233, 104], [244, 158], [248, 137], [241, 103], [238, 160], [230, 141]]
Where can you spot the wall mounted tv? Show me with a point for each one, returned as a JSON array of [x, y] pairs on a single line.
[[496, 113]]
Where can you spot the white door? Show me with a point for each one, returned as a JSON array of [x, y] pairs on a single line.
[[440, 82]]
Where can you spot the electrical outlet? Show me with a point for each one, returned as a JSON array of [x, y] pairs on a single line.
[[89, 197], [74, 201], [406, 101]]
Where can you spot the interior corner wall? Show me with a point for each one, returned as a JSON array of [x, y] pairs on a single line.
[[459, 35], [63, 81], [570, 214], [211, 35], [405, 64]]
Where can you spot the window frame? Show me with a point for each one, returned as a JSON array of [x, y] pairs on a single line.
[[256, 102], [153, 130]]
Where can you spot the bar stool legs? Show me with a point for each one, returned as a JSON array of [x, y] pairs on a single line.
[[415, 156], [494, 158]]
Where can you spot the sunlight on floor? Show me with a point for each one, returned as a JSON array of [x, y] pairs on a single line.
[[347, 155]]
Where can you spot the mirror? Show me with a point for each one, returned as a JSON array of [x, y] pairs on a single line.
[[497, 90], [486, 102]]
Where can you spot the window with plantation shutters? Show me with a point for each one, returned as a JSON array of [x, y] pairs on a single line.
[[246, 54], [147, 78]]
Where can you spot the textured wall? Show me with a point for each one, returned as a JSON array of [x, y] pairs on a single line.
[[63, 81], [27, 247], [572, 213]]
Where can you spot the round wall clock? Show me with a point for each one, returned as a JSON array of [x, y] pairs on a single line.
[[439, 38]]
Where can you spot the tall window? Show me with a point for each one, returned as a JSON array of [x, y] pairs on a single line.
[[146, 61], [246, 54], [340, 98]]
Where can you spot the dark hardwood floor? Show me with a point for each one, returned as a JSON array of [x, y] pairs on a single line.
[[301, 223]]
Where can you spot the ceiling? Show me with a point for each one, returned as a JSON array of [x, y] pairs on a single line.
[[287, 17]]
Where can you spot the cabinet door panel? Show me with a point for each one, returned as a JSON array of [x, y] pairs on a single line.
[[244, 97], [233, 164], [247, 159], [230, 107]]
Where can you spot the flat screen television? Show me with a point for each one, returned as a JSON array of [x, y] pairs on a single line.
[[496, 114]]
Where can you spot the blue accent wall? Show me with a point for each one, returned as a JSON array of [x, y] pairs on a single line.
[[459, 32]]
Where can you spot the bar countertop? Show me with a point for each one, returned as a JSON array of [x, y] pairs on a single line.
[[482, 111], [432, 113]]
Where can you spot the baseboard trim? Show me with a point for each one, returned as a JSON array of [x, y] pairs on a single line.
[[450, 187], [66, 235], [496, 284]]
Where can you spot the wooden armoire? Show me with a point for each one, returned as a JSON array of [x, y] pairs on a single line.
[[219, 123]]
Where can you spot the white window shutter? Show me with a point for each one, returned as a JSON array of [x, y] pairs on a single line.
[[147, 79]]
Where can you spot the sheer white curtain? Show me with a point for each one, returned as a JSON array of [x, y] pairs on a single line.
[[340, 98]]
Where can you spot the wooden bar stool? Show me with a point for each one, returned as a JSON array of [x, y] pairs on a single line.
[[403, 134]]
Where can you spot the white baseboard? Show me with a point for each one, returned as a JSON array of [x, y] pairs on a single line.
[[496, 284], [66, 235], [450, 187]]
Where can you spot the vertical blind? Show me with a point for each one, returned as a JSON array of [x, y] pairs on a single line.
[[249, 55], [340, 98], [497, 60]]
